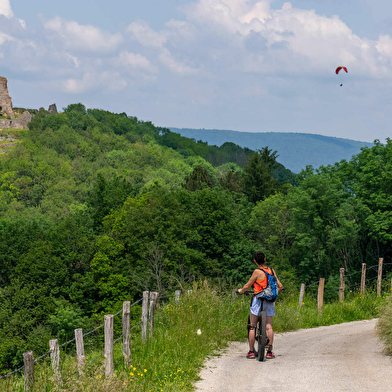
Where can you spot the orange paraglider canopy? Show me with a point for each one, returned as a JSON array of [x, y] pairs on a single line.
[[339, 68]]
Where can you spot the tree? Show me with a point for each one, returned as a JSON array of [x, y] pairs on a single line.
[[324, 225], [269, 223], [198, 179], [258, 180]]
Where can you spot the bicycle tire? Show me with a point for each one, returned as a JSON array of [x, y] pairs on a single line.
[[261, 336]]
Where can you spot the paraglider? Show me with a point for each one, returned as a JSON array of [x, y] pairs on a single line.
[[338, 69]]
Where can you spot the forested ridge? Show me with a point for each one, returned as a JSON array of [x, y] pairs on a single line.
[[96, 207], [296, 150]]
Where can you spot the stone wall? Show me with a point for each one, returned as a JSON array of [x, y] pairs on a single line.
[[22, 122]]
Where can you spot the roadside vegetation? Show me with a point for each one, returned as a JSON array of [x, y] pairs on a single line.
[[384, 325], [171, 360]]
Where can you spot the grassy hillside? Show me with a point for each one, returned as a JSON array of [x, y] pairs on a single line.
[[10, 138], [296, 150]]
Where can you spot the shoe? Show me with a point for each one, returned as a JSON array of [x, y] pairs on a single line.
[[270, 355], [251, 355]]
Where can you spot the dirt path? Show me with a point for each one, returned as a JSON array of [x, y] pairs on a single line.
[[344, 357]]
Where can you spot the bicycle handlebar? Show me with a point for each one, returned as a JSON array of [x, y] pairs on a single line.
[[245, 293]]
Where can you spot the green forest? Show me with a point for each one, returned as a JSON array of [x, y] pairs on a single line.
[[96, 207]]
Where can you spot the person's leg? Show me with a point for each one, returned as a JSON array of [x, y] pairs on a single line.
[[252, 330], [254, 313], [270, 332]]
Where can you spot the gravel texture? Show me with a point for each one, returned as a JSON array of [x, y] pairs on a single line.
[[343, 357]]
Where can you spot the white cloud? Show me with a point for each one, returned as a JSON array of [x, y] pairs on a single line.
[[5, 38], [5, 8], [134, 61], [137, 66], [384, 45], [108, 81], [150, 38], [145, 35], [180, 31], [293, 39], [168, 60], [84, 37]]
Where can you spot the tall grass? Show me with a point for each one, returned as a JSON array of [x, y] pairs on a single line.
[[384, 325], [171, 360]]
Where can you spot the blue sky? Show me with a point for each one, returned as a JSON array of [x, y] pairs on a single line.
[[245, 65]]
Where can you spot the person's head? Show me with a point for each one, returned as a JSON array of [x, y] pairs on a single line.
[[259, 258]]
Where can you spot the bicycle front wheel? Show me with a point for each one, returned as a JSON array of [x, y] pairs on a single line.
[[261, 336]]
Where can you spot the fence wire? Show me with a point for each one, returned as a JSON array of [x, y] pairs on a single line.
[[72, 340], [169, 296]]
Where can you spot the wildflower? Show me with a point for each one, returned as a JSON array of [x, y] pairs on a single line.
[[145, 370], [131, 374]]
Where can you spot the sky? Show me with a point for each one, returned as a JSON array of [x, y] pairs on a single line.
[[242, 65]]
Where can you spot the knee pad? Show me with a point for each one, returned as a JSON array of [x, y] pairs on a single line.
[[251, 327]]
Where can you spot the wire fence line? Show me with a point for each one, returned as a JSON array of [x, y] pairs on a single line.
[[331, 278], [328, 290], [84, 335], [116, 341], [11, 373]]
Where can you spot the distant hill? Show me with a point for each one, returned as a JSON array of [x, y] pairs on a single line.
[[295, 150]]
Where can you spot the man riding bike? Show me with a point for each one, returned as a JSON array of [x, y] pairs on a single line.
[[259, 281]]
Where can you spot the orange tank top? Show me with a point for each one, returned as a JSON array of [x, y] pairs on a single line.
[[260, 285]]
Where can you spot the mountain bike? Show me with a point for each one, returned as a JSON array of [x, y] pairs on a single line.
[[261, 338]]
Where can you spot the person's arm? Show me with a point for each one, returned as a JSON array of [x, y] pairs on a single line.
[[250, 283], [280, 286]]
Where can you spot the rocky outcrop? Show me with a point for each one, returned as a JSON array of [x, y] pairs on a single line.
[[8, 119], [5, 100], [20, 118], [53, 109]]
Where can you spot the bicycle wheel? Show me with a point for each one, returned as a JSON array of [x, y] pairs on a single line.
[[261, 336]]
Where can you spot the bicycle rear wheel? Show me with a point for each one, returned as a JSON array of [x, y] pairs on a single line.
[[261, 336]]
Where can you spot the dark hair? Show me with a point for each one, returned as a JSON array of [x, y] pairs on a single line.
[[259, 257]]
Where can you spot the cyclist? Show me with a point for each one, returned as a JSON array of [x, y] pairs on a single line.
[[259, 281]]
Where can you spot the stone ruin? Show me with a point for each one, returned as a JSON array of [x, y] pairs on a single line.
[[14, 119], [5, 100]]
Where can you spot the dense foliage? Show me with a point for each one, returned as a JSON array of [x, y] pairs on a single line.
[[96, 207]]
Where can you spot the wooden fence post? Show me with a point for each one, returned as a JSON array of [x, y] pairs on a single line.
[[126, 321], [320, 296], [109, 368], [55, 358], [28, 359], [363, 279], [80, 350], [301, 295], [144, 315], [153, 303], [341, 286], [177, 295], [379, 277]]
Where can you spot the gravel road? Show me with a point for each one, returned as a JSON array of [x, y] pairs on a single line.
[[343, 357]]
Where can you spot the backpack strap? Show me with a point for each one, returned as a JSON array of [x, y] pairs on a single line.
[[266, 272]]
